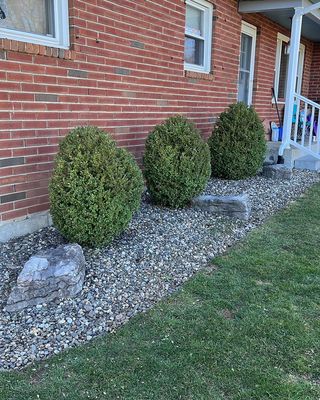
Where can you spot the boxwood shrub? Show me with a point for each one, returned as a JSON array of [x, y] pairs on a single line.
[[95, 187], [177, 162], [237, 144]]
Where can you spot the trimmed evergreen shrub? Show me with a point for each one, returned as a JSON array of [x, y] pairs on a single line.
[[177, 162], [237, 144], [95, 188]]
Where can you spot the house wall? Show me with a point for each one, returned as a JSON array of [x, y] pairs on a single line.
[[123, 73], [314, 93]]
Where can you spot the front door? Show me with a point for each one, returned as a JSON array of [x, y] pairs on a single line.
[[247, 62]]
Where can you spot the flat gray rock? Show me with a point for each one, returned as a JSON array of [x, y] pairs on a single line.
[[53, 274], [231, 206], [277, 171]]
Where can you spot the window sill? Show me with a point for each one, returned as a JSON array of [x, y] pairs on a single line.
[[279, 101], [207, 76], [35, 49]]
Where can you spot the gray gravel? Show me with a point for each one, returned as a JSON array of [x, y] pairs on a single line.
[[161, 249]]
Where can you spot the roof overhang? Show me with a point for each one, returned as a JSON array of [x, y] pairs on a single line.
[[282, 11]]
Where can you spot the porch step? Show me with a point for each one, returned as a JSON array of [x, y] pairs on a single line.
[[307, 162]]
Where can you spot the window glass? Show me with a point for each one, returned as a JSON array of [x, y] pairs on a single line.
[[283, 71], [194, 21], [193, 51], [32, 16], [244, 85], [246, 51], [245, 67], [198, 35]]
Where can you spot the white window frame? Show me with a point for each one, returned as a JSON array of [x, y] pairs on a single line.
[[61, 29], [207, 8], [280, 40], [251, 31]]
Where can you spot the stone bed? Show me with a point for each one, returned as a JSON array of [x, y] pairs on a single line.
[[160, 250]]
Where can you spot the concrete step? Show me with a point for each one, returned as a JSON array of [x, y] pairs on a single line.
[[290, 155], [307, 162]]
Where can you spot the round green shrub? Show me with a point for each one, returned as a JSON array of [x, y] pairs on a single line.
[[177, 162], [95, 188], [237, 144]]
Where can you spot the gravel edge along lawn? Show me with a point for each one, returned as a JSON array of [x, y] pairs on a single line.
[[161, 249], [248, 327]]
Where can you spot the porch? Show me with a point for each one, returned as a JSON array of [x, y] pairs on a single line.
[[301, 121]]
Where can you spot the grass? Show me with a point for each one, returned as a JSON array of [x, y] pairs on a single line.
[[248, 330]]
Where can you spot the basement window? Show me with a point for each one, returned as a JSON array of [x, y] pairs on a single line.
[[198, 36], [43, 22]]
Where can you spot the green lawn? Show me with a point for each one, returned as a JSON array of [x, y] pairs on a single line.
[[248, 330]]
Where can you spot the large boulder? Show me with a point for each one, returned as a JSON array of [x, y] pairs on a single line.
[[53, 274]]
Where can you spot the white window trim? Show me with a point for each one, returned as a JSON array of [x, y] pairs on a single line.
[[251, 31], [280, 39], [207, 8], [61, 28]]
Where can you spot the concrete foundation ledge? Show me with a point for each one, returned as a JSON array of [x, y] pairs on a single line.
[[14, 229], [232, 206]]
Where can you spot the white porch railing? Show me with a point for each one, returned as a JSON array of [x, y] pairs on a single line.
[[305, 132], [303, 135]]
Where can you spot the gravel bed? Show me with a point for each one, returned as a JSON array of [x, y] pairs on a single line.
[[159, 251]]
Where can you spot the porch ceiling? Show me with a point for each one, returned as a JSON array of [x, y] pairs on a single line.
[[282, 12]]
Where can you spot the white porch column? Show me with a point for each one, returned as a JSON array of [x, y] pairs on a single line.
[[292, 76]]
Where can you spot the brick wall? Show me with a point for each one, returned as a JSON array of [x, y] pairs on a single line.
[[314, 93], [124, 73]]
